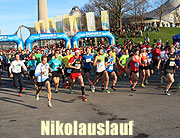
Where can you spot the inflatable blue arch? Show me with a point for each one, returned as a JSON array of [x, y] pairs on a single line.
[[176, 38], [13, 38], [93, 34], [47, 36]]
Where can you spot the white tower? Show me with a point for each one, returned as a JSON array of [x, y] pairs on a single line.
[[42, 10]]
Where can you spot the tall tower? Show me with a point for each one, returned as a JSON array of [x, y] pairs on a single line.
[[42, 10]]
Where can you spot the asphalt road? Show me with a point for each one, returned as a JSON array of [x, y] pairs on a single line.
[[154, 114]]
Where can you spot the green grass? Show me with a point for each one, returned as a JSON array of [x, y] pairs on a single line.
[[165, 34]]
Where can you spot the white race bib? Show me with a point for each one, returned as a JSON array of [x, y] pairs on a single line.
[[145, 61], [78, 66], [172, 63], [69, 70], [111, 67], [136, 64], [88, 60], [33, 68], [18, 68]]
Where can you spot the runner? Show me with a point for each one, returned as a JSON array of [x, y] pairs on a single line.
[[156, 55], [75, 64], [8, 62], [42, 74], [150, 62], [135, 61], [144, 66], [56, 65], [15, 70], [169, 68], [38, 56], [31, 65], [101, 70], [67, 71], [110, 68], [122, 62], [87, 65], [1, 64]]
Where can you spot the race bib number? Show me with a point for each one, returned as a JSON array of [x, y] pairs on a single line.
[[88, 60], [46, 75], [100, 65], [149, 60], [136, 64], [33, 68], [18, 68], [69, 70], [78, 66], [111, 68], [172, 63]]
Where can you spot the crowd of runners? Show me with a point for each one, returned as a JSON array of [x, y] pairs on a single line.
[[46, 66]]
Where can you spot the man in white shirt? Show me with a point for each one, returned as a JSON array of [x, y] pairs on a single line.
[[42, 74], [15, 70]]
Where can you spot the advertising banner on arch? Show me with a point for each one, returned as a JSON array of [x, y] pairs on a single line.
[[47, 26], [37, 27], [59, 23], [91, 21], [52, 25], [66, 24], [42, 26], [73, 25], [78, 21], [105, 20]]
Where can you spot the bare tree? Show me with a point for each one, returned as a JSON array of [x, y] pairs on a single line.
[[143, 8], [116, 8], [140, 8]]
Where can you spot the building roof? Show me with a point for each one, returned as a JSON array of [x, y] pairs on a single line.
[[168, 7]]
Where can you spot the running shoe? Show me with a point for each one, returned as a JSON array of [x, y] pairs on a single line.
[[50, 105], [71, 91], [178, 85], [114, 88], [93, 89], [166, 93], [65, 85], [142, 85], [37, 97], [84, 99], [130, 85], [36, 86], [161, 79], [20, 94], [56, 91], [133, 89], [102, 88], [118, 73], [146, 82], [107, 91]]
